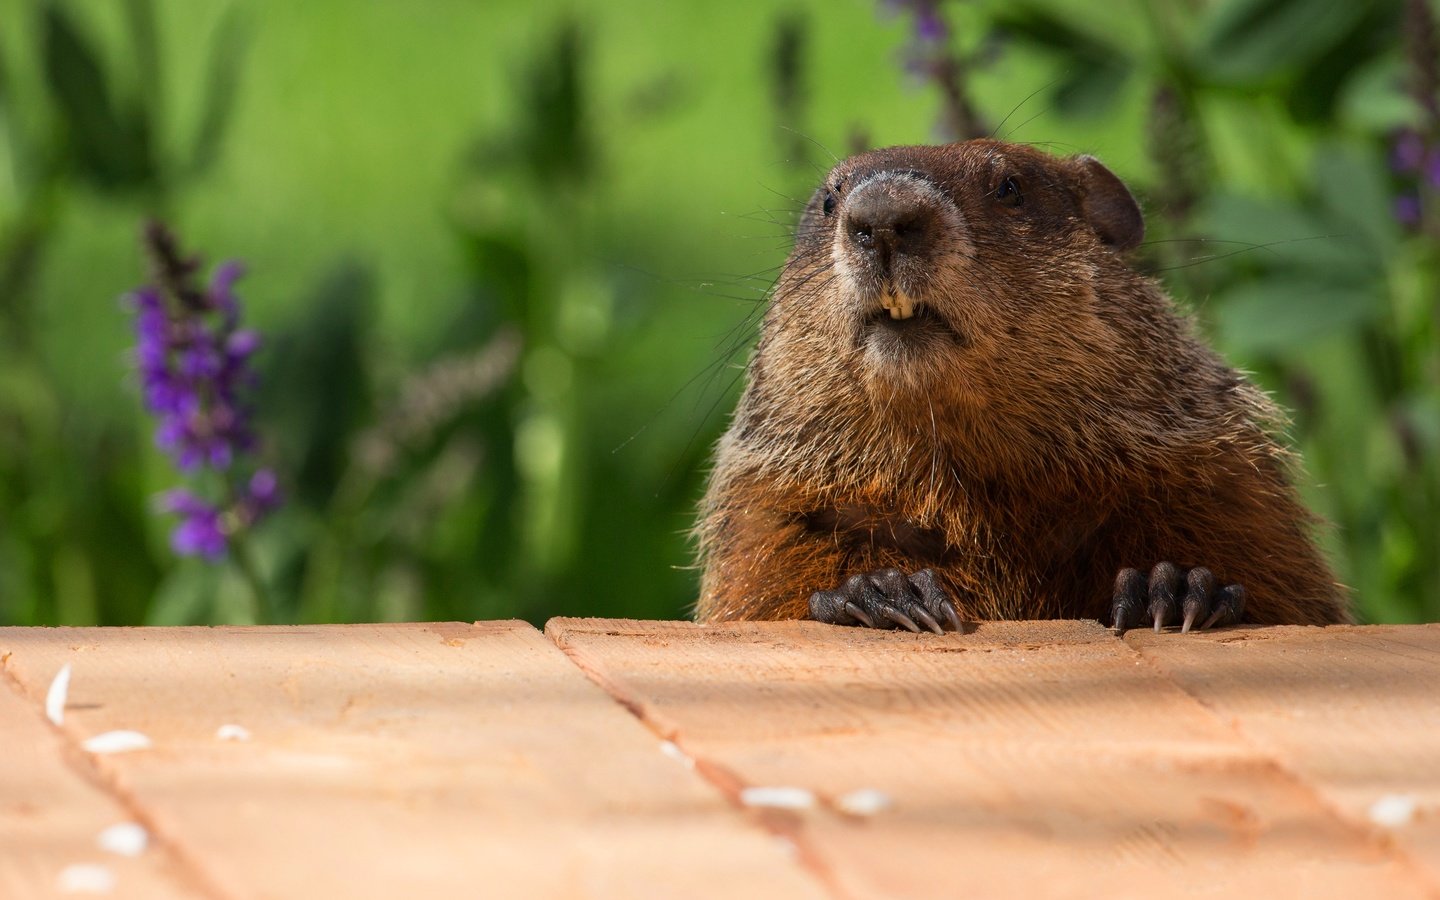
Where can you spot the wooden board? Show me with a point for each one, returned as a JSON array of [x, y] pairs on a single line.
[[1022, 759], [441, 760], [52, 811], [1352, 712], [449, 760]]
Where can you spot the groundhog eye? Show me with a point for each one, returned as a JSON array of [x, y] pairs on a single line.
[[1008, 193], [829, 205]]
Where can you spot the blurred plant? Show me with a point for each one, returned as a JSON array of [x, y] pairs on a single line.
[[1415, 150], [559, 520], [195, 369], [1177, 150], [82, 119], [787, 88], [405, 473], [107, 136], [930, 55], [465, 481], [527, 220]]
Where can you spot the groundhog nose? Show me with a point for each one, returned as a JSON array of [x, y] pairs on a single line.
[[889, 216]]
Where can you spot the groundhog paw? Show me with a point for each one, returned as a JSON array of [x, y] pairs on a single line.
[[888, 599], [1163, 604]]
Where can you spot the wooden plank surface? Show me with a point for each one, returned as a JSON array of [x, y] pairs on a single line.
[[670, 759], [441, 760], [1352, 711], [52, 813], [1024, 758]]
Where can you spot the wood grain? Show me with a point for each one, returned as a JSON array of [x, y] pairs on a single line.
[[1352, 711], [1025, 758], [51, 815], [441, 760]]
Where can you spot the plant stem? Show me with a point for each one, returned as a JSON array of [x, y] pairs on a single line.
[[259, 608]]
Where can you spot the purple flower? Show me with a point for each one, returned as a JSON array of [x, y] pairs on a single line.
[[200, 532], [196, 377], [928, 56], [1415, 160], [1407, 152], [1431, 167], [261, 496], [1407, 210], [194, 370], [240, 345], [929, 27], [222, 290]]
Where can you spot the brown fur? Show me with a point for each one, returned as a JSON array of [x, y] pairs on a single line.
[[1064, 423]]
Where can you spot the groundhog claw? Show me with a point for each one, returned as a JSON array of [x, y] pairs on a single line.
[[928, 620], [887, 599], [855, 612], [901, 619], [1200, 602]]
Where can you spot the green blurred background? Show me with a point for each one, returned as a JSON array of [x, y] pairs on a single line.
[[507, 257]]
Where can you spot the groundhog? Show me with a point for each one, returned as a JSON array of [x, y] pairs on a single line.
[[966, 405]]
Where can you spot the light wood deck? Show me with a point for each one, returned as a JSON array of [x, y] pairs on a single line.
[[610, 758]]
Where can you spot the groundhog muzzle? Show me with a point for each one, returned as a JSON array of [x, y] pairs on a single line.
[[965, 404]]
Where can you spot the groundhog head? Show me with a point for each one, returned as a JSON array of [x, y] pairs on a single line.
[[932, 267]]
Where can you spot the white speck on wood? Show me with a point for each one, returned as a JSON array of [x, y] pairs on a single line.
[[1393, 810], [672, 750], [124, 839], [86, 878], [55, 697], [232, 733], [116, 742], [788, 846], [778, 797], [864, 802]]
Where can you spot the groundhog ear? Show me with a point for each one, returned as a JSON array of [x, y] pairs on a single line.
[[1108, 205]]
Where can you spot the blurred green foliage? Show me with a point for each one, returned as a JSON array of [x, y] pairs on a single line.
[[508, 257]]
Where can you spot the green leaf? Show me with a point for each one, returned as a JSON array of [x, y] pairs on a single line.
[[145, 45], [1422, 412], [1091, 89], [111, 148], [1279, 315], [222, 85], [186, 596], [1375, 100], [1353, 185], [1048, 30], [1095, 70], [4, 83], [1318, 86], [315, 386], [1250, 41], [555, 137], [1273, 233]]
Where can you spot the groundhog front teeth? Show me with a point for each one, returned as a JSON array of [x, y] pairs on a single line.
[[899, 304]]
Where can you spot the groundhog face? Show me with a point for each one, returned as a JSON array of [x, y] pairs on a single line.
[[925, 259]]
